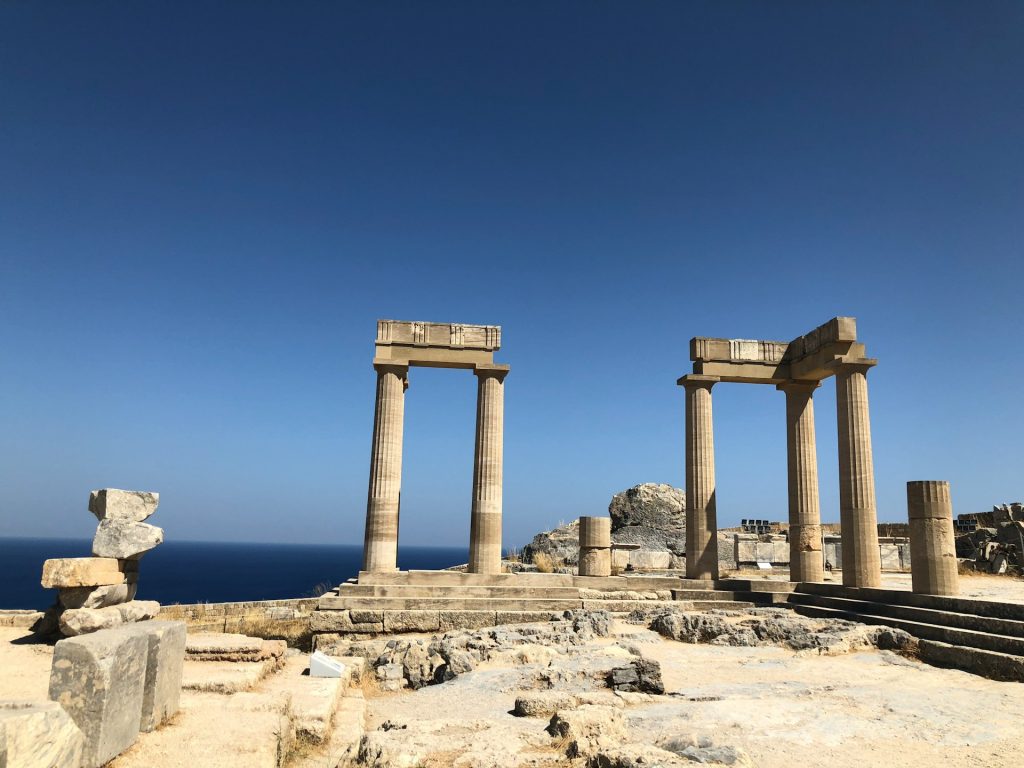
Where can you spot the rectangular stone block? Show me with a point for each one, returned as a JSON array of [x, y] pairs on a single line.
[[164, 663], [341, 621], [412, 621], [38, 734], [449, 620], [100, 681], [81, 572], [646, 559], [524, 617]]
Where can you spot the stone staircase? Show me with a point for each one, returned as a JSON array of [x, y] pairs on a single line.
[[979, 636], [441, 600]]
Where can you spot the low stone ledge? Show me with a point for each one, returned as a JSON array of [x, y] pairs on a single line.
[[19, 618]]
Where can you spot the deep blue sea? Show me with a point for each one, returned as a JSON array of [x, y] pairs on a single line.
[[196, 572]]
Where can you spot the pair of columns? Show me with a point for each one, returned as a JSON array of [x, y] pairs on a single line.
[[857, 510], [380, 545]]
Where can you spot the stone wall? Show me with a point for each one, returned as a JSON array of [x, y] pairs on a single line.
[[280, 619]]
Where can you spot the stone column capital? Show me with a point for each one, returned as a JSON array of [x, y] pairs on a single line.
[[697, 381], [387, 366], [495, 371], [846, 364], [798, 386]]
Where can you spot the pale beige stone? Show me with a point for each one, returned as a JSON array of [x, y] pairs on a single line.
[[38, 734], [412, 621], [485, 520], [858, 515], [81, 572], [805, 558], [380, 545], [932, 540], [99, 679], [701, 515], [595, 556]]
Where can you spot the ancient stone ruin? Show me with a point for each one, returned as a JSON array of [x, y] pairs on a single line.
[[98, 592], [399, 346], [797, 369]]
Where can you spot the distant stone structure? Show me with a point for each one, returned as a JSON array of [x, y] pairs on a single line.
[[98, 592], [401, 344], [797, 369]]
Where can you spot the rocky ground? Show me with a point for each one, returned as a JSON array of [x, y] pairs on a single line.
[[661, 688]]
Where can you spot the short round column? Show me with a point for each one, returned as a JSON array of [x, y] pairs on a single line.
[[595, 546], [933, 565]]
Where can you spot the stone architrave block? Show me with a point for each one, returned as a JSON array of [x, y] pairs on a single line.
[[97, 597], [81, 572], [165, 660], [100, 680], [38, 734], [115, 504], [125, 539]]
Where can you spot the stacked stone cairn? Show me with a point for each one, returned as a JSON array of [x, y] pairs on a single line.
[[98, 592]]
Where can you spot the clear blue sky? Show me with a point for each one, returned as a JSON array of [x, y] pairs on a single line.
[[205, 206]]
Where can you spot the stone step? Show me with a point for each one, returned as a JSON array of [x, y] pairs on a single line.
[[457, 578], [448, 604], [988, 608], [992, 664], [952, 636], [951, 619], [455, 590], [225, 676], [314, 700], [726, 596]]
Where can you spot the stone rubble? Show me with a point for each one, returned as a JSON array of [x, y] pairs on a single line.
[[416, 663], [98, 592], [38, 734], [777, 627]]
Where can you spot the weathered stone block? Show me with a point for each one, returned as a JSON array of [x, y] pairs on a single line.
[[164, 663], [647, 559], [115, 504], [449, 620], [100, 680], [341, 621], [412, 621], [81, 572], [125, 539], [38, 734], [97, 597], [82, 621], [524, 617]]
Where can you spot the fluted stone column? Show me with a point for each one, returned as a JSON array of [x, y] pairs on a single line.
[[933, 565], [380, 542], [862, 565], [595, 546], [485, 525], [805, 557], [701, 515]]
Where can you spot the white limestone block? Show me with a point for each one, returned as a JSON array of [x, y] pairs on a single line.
[[322, 665]]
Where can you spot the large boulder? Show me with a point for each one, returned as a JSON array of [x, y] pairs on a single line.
[[561, 544], [652, 515]]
